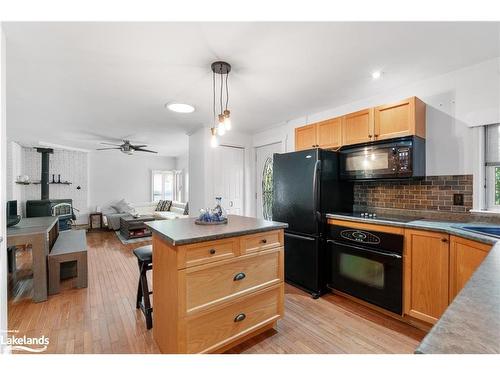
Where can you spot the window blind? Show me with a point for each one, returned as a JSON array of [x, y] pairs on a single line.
[[492, 141]]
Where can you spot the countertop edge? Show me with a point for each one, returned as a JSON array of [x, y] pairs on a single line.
[[214, 237]]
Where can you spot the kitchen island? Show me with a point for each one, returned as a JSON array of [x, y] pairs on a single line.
[[215, 285]]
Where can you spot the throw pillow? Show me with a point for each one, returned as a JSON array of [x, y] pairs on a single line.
[[168, 204], [122, 207], [159, 205]]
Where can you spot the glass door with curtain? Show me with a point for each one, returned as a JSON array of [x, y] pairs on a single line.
[[264, 179]]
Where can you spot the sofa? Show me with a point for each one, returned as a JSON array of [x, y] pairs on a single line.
[[177, 210]]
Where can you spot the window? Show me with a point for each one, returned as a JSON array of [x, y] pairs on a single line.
[[167, 185], [267, 189], [163, 185], [492, 165]]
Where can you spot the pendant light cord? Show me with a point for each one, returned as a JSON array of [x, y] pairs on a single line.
[[213, 80], [227, 91], [221, 89]]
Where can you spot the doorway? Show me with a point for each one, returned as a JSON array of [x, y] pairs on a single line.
[[264, 179], [228, 177]]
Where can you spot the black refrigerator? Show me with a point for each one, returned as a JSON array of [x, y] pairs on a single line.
[[306, 186]]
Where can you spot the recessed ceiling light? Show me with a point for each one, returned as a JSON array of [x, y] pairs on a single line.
[[377, 74], [180, 107]]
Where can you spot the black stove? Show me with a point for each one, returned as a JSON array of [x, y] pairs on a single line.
[[374, 216]]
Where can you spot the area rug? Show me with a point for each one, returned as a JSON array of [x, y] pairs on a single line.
[[133, 240]]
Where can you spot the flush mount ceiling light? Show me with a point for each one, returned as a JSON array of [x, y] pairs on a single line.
[[376, 74], [180, 107], [222, 119]]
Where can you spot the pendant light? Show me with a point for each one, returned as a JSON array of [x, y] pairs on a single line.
[[222, 120]]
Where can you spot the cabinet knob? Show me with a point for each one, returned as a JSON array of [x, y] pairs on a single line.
[[239, 276], [263, 240], [239, 318], [212, 251], [444, 240], [370, 136]]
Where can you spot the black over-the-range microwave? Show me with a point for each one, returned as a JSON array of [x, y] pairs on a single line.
[[398, 158]]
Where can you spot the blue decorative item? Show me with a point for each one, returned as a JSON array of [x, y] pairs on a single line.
[[214, 216]]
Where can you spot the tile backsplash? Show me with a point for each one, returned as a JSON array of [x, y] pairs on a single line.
[[434, 193]]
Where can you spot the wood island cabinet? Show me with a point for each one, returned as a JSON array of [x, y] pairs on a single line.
[[212, 295], [465, 257], [325, 134]]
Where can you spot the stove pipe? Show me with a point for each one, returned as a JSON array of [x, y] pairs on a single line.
[[44, 178]]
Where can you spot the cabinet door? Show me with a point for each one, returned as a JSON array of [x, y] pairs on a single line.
[[358, 127], [305, 137], [426, 263], [330, 133], [400, 119], [465, 257]]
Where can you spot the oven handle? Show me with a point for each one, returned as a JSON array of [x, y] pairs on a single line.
[[317, 168], [299, 237], [392, 255]]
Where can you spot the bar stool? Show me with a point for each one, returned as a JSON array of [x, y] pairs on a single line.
[[144, 256]]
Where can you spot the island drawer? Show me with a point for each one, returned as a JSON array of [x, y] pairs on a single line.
[[210, 284], [207, 252], [261, 241], [216, 328]]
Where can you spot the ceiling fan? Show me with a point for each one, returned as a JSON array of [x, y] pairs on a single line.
[[126, 147]]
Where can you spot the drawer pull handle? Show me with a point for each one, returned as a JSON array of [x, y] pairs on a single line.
[[212, 251], [239, 318], [239, 276], [263, 240]]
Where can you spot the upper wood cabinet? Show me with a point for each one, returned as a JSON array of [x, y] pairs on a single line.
[[305, 137], [426, 274], [357, 127], [465, 257], [329, 133], [400, 119], [406, 117], [324, 134]]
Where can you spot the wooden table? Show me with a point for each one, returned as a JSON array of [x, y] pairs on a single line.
[[40, 233]]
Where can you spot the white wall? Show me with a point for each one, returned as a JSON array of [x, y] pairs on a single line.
[[201, 167], [14, 169], [455, 101], [182, 164], [114, 175], [3, 168]]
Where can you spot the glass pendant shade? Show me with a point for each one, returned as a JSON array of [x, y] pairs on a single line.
[[214, 142], [227, 120], [221, 127]]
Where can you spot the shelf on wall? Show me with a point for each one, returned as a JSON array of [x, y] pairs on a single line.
[[38, 183]]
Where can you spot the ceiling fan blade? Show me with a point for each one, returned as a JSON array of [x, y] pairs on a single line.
[[138, 146], [143, 150], [111, 144], [109, 148]]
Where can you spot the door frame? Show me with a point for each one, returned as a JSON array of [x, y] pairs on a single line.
[[256, 172]]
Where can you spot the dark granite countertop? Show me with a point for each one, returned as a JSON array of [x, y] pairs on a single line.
[[471, 324], [184, 231]]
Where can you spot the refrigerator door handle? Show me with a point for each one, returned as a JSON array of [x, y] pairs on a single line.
[[317, 168], [299, 237]]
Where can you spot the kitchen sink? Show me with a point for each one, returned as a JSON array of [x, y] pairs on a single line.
[[489, 231]]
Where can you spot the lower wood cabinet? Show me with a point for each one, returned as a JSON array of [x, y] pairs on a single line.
[[426, 274], [465, 257]]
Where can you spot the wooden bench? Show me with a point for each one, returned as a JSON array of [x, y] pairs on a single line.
[[70, 246]]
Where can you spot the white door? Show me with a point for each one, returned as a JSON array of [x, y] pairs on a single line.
[[228, 180], [263, 168]]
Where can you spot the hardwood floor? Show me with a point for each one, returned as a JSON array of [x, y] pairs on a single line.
[[103, 319]]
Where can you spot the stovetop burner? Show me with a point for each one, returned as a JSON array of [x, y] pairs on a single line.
[[374, 216]]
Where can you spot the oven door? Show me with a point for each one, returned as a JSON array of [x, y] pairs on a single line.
[[372, 275]]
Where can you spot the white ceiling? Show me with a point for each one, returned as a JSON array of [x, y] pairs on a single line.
[[76, 84]]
